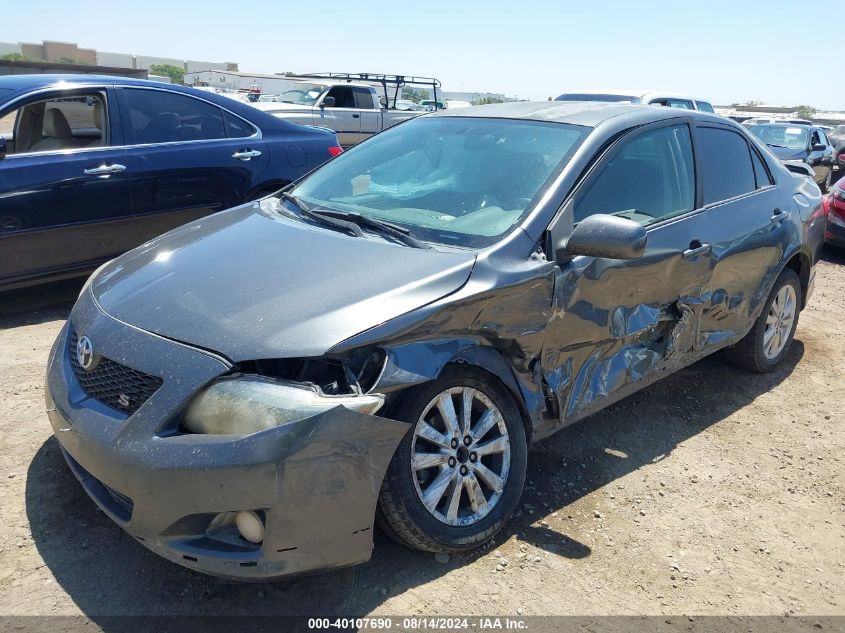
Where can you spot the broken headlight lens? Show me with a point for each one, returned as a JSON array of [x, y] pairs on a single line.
[[248, 404]]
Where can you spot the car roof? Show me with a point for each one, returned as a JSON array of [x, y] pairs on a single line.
[[29, 82], [585, 113], [14, 86]]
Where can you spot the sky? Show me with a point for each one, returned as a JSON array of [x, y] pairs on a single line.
[[773, 52]]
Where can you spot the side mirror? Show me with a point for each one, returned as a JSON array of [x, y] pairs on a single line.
[[608, 236], [2, 147], [818, 147], [328, 102]]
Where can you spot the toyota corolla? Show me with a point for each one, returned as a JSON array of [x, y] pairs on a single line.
[[386, 338]]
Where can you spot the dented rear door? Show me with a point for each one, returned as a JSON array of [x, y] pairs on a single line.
[[746, 231], [617, 325]]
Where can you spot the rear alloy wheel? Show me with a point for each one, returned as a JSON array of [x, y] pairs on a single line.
[[458, 474], [768, 341]]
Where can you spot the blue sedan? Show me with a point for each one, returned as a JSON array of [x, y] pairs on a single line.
[[92, 166]]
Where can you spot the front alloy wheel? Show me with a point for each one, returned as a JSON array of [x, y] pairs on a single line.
[[458, 474], [461, 456]]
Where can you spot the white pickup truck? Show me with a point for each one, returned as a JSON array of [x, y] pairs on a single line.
[[355, 110]]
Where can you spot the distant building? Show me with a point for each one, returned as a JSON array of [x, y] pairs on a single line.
[[744, 112], [49, 68], [470, 96], [70, 53]]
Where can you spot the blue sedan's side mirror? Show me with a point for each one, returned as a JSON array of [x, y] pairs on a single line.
[[2, 147], [818, 147]]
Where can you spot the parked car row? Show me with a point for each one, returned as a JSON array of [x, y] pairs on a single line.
[[803, 143], [90, 166], [668, 99]]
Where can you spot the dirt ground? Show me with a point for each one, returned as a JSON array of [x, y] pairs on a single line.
[[713, 492]]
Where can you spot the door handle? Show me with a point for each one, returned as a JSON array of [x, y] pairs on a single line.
[[778, 216], [356, 116], [246, 154], [104, 170], [695, 249]]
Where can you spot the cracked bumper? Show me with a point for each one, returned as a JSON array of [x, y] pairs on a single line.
[[316, 481]]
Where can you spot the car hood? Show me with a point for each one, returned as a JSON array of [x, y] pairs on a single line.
[[249, 283], [786, 153]]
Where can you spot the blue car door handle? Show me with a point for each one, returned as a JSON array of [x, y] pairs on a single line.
[[778, 216], [105, 169], [246, 154]]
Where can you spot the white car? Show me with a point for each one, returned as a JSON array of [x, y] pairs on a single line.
[[670, 99], [764, 119]]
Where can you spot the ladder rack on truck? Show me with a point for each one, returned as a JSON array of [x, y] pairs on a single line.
[[384, 80]]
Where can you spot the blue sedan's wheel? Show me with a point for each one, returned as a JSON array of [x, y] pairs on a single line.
[[458, 474]]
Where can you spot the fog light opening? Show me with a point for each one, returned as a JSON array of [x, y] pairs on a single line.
[[250, 526]]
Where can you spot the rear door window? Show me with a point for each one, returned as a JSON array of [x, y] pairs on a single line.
[[236, 127], [704, 106], [725, 164], [158, 116], [761, 174], [650, 178], [363, 98]]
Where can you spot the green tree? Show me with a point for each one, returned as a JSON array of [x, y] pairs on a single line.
[[486, 100], [176, 74], [14, 57], [805, 112], [71, 60], [414, 95]]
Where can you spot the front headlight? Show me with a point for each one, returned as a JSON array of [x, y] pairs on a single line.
[[247, 404]]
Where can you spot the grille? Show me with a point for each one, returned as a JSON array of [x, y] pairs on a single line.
[[115, 385]]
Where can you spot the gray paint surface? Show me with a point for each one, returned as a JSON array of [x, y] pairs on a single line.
[[566, 338]]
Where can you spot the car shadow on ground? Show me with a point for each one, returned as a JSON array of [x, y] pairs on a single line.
[[39, 304], [106, 572]]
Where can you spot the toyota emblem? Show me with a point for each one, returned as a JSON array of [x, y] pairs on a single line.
[[85, 354]]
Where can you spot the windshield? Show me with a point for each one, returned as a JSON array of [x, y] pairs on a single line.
[[599, 97], [452, 180], [302, 94], [793, 137]]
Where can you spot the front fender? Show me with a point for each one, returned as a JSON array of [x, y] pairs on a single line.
[[421, 361]]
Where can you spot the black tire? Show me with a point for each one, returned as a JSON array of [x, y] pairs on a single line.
[[401, 513], [748, 353]]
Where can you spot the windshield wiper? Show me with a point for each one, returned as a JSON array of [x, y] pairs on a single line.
[[778, 146], [399, 233], [322, 218]]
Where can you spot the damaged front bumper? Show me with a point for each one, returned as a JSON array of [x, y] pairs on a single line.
[[314, 482]]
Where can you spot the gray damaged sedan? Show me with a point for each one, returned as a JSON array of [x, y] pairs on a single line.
[[385, 339]]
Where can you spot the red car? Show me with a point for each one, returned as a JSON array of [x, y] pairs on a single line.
[[834, 210]]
